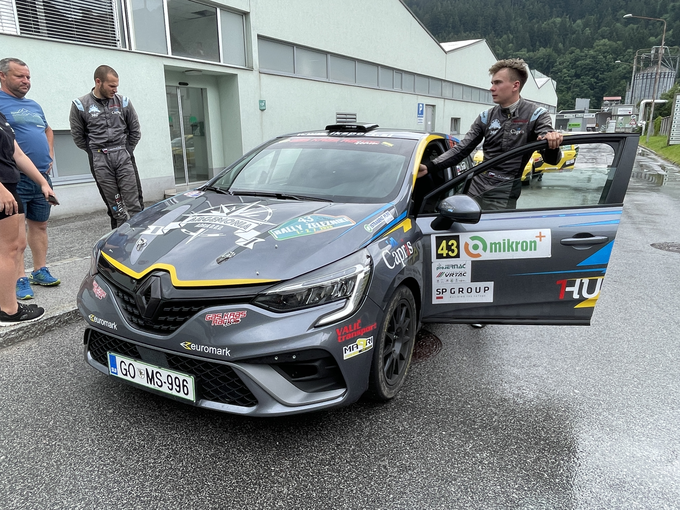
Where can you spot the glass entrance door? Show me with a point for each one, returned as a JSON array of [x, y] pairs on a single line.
[[186, 115]]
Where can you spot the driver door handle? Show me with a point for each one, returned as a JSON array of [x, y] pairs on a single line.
[[584, 241]]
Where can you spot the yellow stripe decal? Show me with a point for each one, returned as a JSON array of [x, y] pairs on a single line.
[[419, 154], [406, 225], [173, 275]]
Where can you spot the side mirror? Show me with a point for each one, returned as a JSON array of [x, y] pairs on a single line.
[[458, 208]]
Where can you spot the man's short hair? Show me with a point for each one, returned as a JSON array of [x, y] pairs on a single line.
[[103, 71], [5, 62], [515, 66]]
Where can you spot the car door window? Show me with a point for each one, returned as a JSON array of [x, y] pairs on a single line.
[[580, 177], [541, 262]]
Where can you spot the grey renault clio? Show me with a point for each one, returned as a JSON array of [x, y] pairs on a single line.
[[297, 278]]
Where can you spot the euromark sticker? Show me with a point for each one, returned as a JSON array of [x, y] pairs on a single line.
[[308, 225], [507, 244]]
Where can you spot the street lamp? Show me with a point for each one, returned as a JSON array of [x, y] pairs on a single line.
[[658, 67]]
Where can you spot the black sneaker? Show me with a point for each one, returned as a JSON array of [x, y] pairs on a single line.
[[25, 313]]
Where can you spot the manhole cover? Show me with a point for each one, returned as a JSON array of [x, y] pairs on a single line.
[[674, 247], [427, 345]]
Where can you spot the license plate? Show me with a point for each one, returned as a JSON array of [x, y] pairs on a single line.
[[150, 376]]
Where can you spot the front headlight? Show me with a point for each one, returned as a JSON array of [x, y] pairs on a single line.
[[346, 280]]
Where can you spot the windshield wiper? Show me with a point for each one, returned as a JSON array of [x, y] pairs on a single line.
[[217, 190], [280, 196]]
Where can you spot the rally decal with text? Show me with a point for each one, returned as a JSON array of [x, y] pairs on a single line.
[[248, 222], [474, 292], [308, 225], [360, 346], [587, 289], [397, 254], [509, 244], [225, 319], [354, 330], [207, 349], [98, 291]]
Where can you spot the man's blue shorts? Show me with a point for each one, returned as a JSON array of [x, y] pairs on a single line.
[[36, 207]]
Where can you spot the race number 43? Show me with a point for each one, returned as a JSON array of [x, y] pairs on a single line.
[[447, 247]]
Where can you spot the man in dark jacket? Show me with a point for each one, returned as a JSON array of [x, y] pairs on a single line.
[[104, 124], [513, 123]]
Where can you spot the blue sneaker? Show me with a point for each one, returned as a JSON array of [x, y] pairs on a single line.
[[43, 277], [24, 290]]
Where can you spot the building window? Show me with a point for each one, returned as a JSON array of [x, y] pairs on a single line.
[[409, 82], [83, 21], [343, 70], [422, 84], [447, 89], [193, 30], [367, 74], [386, 78], [148, 26], [276, 56], [233, 38], [290, 59], [455, 125], [398, 78], [311, 64], [70, 163]]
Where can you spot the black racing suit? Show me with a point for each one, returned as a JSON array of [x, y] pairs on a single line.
[[501, 130], [108, 130]]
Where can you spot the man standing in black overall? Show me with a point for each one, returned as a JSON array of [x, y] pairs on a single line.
[[104, 124]]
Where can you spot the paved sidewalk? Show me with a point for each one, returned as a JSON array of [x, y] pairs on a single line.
[[68, 258]]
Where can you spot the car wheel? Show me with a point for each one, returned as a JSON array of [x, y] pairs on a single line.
[[394, 348]]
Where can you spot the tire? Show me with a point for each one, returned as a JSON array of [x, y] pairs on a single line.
[[393, 351]]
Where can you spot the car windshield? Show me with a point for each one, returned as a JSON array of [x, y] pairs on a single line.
[[337, 169]]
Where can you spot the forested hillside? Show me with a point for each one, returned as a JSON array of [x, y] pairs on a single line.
[[575, 42]]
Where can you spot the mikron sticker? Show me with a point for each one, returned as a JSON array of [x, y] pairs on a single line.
[[473, 292], [508, 244]]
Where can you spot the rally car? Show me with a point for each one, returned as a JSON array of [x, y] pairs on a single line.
[[297, 278]]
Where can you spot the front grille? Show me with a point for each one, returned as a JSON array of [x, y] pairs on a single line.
[[214, 381], [169, 316], [164, 308]]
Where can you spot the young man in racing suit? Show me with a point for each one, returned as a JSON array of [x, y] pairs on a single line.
[[513, 123], [104, 124]]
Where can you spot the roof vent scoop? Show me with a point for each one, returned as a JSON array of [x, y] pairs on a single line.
[[354, 127]]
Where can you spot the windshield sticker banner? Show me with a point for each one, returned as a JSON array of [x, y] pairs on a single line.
[[308, 225], [475, 292], [451, 272], [507, 244]]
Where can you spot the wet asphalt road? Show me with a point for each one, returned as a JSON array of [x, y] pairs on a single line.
[[502, 417]]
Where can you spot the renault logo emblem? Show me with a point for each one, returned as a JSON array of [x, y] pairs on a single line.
[[149, 297]]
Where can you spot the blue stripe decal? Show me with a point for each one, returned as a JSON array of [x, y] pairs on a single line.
[[601, 256], [556, 215], [591, 224], [594, 270]]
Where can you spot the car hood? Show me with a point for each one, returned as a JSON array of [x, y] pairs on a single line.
[[211, 239]]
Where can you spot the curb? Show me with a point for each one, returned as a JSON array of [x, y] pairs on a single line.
[[11, 335]]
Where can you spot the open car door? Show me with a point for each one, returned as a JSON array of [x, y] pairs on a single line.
[[542, 262]]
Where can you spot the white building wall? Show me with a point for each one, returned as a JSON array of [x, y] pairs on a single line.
[[380, 32]]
